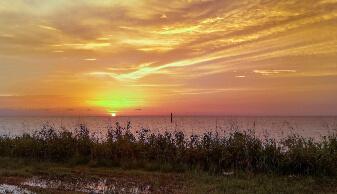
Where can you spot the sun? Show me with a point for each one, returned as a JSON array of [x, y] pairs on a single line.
[[113, 114]]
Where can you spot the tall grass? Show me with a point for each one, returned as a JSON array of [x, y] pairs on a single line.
[[211, 152]]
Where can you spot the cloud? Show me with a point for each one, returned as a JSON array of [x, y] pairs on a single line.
[[90, 59], [149, 70], [47, 27], [274, 72], [164, 44], [6, 95]]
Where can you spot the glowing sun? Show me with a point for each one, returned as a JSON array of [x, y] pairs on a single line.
[[113, 114]]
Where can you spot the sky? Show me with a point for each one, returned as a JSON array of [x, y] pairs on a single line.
[[154, 57]]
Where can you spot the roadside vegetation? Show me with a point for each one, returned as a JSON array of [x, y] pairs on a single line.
[[214, 153]]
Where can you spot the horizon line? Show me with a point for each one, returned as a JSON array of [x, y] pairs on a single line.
[[179, 115]]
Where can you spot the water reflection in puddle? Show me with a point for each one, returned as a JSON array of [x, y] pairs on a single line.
[[87, 186], [13, 189]]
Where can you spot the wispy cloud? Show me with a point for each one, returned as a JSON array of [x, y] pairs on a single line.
[[47, 27], [6, 95], [162, 48], [274, 72], [90, 59], [202, 91], [148, 70], [83, 46]]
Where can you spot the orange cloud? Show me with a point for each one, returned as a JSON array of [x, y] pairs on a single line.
[[198, 53]]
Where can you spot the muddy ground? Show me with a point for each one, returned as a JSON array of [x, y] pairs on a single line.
[[19, 176]]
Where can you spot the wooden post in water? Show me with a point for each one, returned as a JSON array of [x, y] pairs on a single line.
[[171, 118], [216, 125]]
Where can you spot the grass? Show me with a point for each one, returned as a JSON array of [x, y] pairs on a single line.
[[187, 182], [173, 163], [213, 153]]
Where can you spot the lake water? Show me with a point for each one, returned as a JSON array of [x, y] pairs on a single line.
[[275, 127]]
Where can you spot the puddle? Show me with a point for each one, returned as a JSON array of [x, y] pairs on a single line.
[[13, 189], [96, 186]]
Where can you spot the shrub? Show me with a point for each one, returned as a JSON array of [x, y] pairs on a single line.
[[212, 152]]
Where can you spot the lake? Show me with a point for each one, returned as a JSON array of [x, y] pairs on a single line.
[[275, 127]]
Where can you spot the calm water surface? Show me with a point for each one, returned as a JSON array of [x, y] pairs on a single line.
[[276, 127]]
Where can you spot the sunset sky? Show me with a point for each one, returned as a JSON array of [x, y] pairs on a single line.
[[153, 57]]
